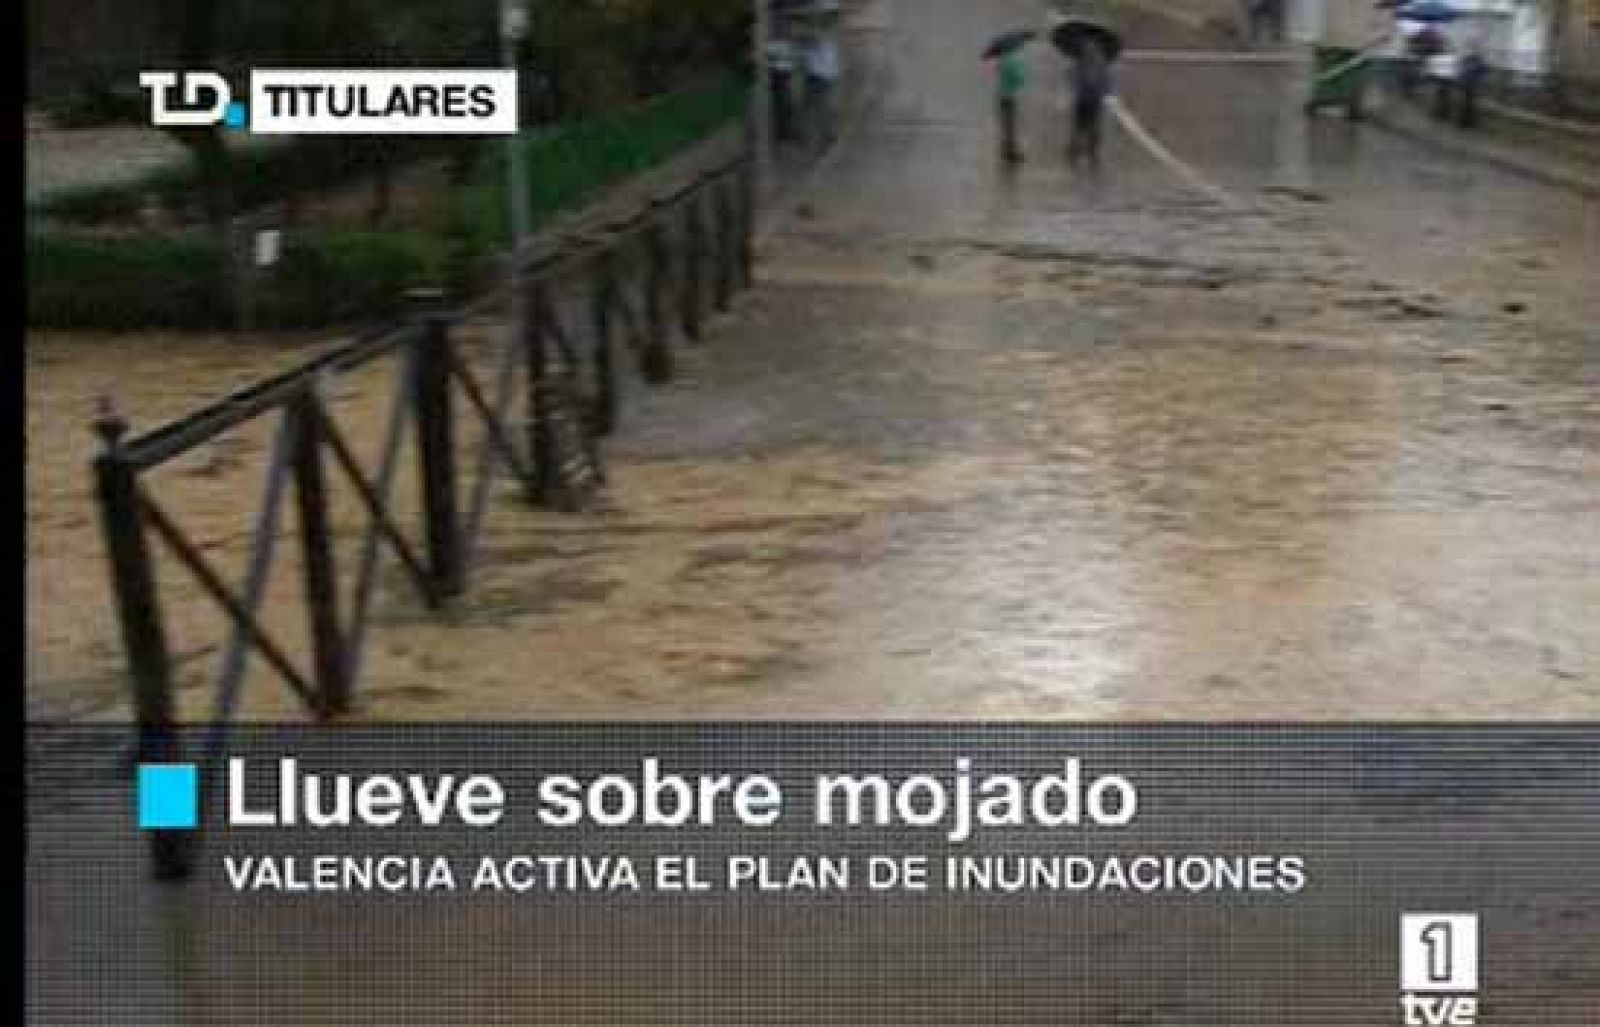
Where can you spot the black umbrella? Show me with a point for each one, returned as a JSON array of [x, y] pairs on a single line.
[[1431, 12], [1009, 43], [1071, 37]]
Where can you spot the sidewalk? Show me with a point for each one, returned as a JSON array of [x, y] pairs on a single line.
[[861, 42], [1561, 154]]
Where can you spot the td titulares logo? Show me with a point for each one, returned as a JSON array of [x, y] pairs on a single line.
[[340, 101], [204, 99], [1439, 968]]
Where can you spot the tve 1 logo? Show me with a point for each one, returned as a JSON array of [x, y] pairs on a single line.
[[204, 99], [1439, 968]]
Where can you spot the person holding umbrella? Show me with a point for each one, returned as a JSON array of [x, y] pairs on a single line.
[[1419, 26], [1011, 76], [1091, 48]]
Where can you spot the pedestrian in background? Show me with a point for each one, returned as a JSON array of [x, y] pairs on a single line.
[[822, 80], [1091, 86], [1473, 72], [1421, 46], [781, 66], [1443, 70], [1012, 77], [1266, 21]]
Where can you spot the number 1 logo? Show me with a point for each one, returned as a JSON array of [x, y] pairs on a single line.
[[1439, 953], [1436, 937]]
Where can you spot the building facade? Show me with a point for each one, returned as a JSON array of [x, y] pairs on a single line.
[[1578, 45], [1525, 40]]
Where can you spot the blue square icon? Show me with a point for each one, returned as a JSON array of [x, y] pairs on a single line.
[[169, 797], [237, 116]]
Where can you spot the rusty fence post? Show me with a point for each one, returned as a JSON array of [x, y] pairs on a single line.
[[694, 245], [748, 186], [541, 389], [436, 448], [657, 356], [144, 640], [722, 199], [600, 300], [316, 539]]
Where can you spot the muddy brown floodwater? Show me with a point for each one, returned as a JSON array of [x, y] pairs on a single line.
[[1008, 446]]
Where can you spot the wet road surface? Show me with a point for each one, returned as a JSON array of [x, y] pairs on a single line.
[[1318, 440], [1035, 446], [1042, 444]]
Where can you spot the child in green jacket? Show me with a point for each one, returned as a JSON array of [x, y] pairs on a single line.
[[1013, 79]]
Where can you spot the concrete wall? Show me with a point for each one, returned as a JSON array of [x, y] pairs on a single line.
[[1580, 43], [1516, 37], [1197, 14], [1351, 23]]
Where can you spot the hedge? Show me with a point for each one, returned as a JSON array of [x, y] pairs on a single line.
[[342, 275], [126, 283], [568, 164], [184, 282], [82, 277], [259, 175]]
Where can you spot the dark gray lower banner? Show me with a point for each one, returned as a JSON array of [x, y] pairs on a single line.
[[810, 874]]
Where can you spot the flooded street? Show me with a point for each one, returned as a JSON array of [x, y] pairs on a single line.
[[1318, 441], [942, 644]]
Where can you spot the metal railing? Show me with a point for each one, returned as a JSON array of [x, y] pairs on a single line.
[[640, 282]]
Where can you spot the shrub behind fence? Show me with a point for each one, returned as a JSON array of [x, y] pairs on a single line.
[[136, 278]]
